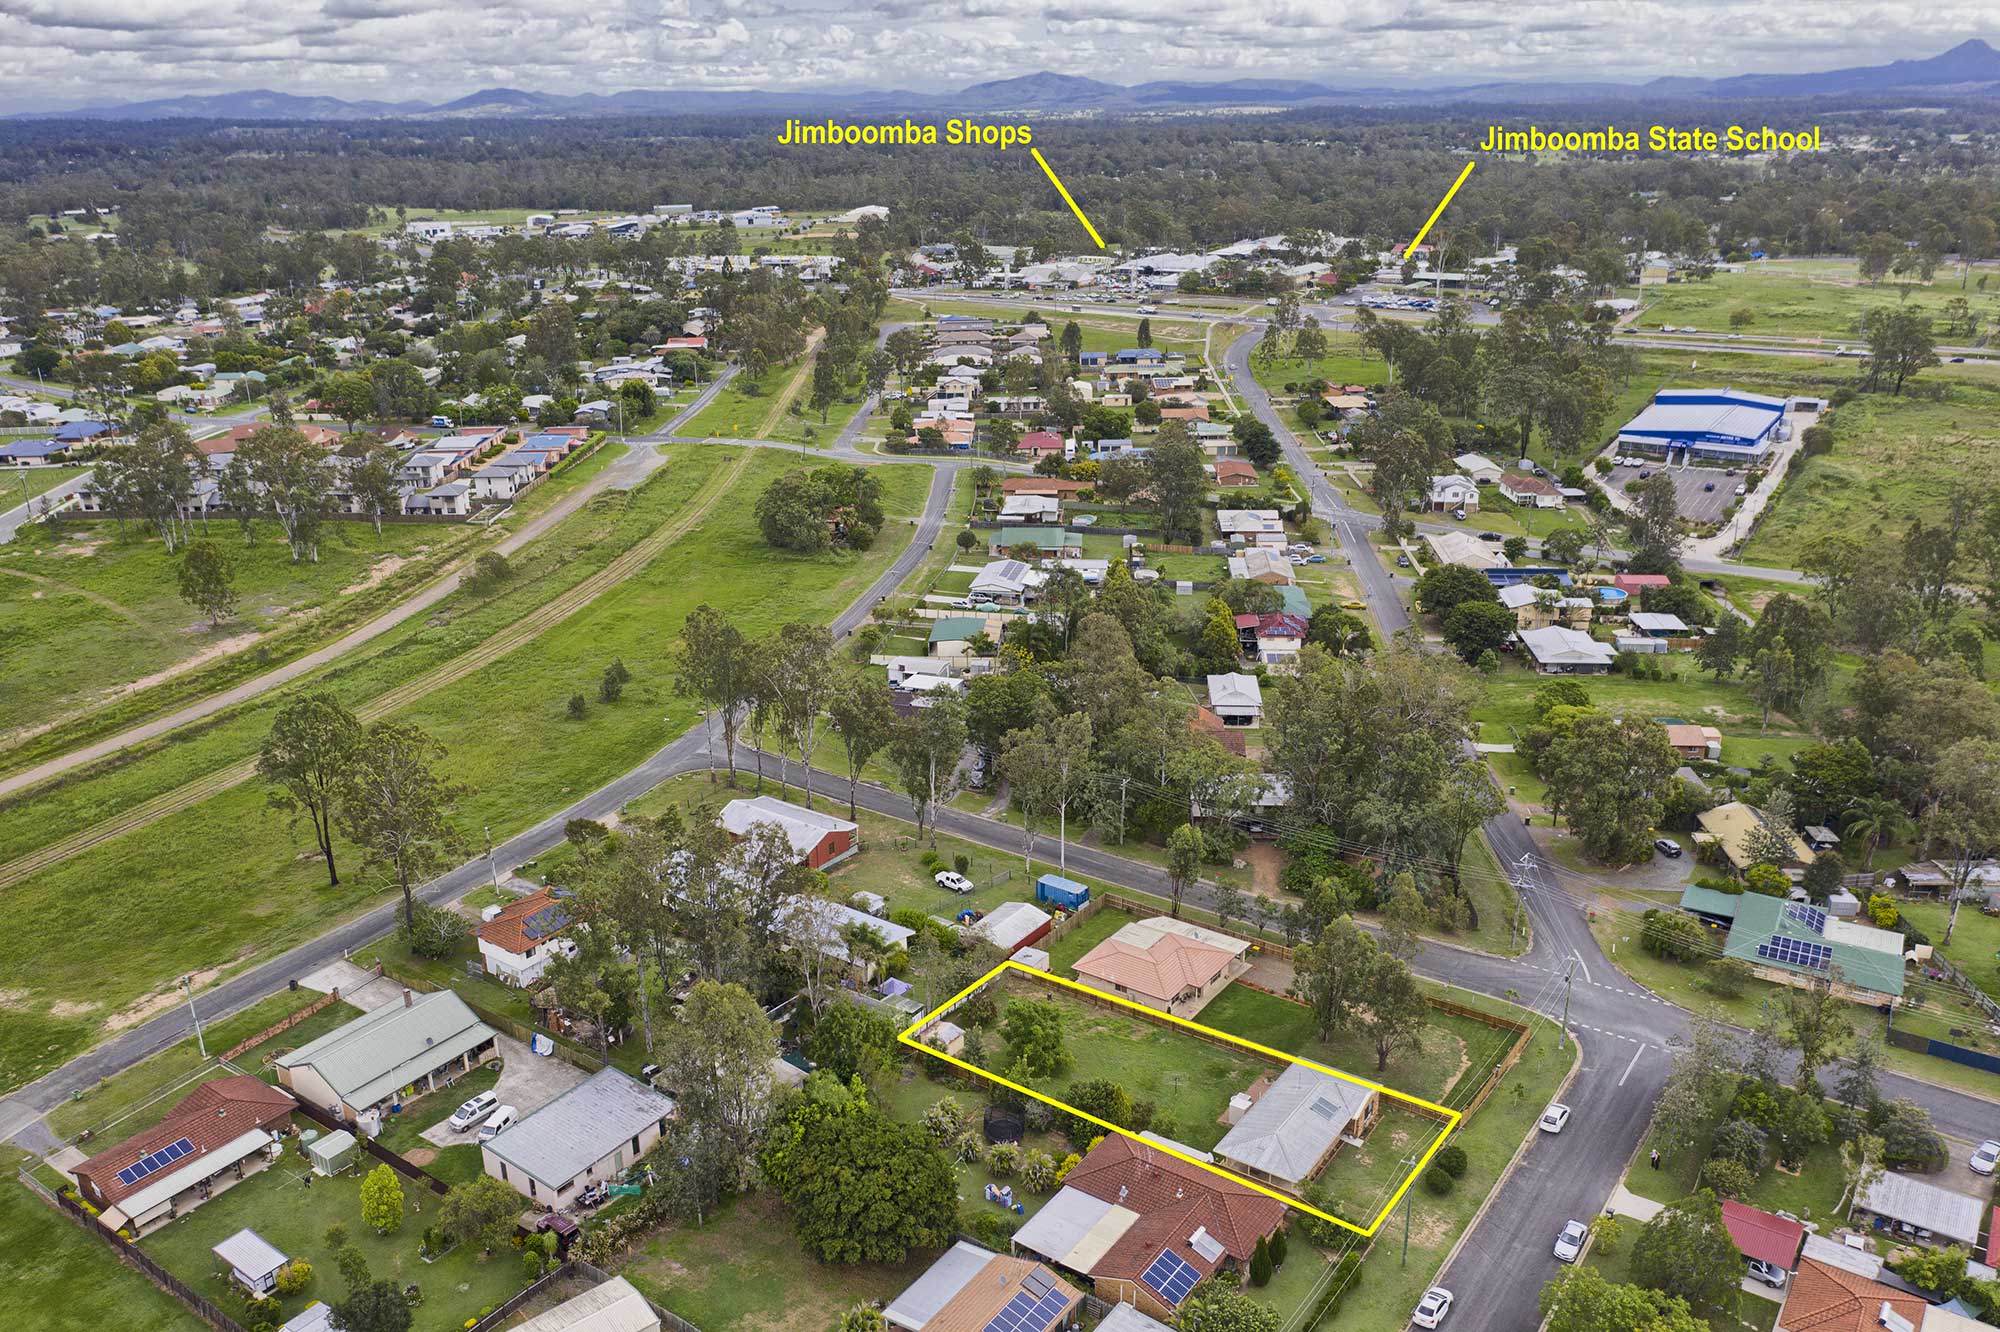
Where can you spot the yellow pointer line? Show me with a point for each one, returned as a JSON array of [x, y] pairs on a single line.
[[1056, 181], [1435, 212]]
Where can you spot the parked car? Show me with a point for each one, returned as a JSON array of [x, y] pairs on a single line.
[[1555, 1117], [1645, 473], [1402, 561], [1432, 1308], [1742, 489], [1459, 514], [1667, 847], [1315, 559], [498, 1122], [1770, 1274], [953, 882], [1984, 1157], [1569, 1244], [1708, 485], [962, 603], [473, 1111]]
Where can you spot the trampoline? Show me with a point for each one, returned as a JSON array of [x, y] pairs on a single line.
[[1004, 1125]]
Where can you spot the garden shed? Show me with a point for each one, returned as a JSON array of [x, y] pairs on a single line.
[[1065, 893], [333, 1153]]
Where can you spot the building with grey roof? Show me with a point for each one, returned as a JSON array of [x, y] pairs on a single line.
[[588, 1135], [412, 1047], [1922, 1210], [1288, 1134], [614, 1306]]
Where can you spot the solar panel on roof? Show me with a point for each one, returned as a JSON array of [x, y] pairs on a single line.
[[1809, 916], [1028, 1312], [1170, 1277], [1796, 952], [153, 1161], [1323, 1108]]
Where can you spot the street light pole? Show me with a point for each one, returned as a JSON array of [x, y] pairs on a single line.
[[1562, 1032], [187, 984]]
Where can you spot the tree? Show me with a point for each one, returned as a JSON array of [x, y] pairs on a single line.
[[825, 384], [1220, 648], [1037, 1047], [1773, 840], [1178, 482], [1410, 444], [849, 1041], [1444, 587], [1581, 1299], [1341, 632], [281, 472], [1186, 848], [717, 1058], [1963, 820], [1404, 918], [1655, 522], [481, 1211], [1860, 1168], [1605, 776], [373, 484], [1050, 766], [1900, 344], [1396, 1013], [715, 664], [863, 1318], [396, 807], [1877, 822], [1474, 628], [1145, 333], [153, 478], [1722, 647], [208, 581], [307, 756], [1686, 1251], [926, 749], [861, 1187], [376, 1306], [800, 669], [1331, 976], [1214, 1306], [862, 712], [1257, 441], [382, 1200], [1564, 545]]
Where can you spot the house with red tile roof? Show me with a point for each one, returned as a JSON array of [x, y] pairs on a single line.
[[1235, 472], [1761, 1234], [1147, 1227], [222, 1132], [1824, 1298], [517, 940], [1039, 444], [1531, 491], [1164, 964]]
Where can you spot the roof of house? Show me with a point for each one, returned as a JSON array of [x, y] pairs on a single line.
[[1234, 690], [1655, 621], [1787, 934], [209, 1120], [1044, 538], [1555, 645], [1011, 924], [1760, 1234], [1226, 467], [366, 1059], [1125, 1318], [1256, 562], [970, 1288], [527, 922], [1640, 582], [1824, 1298], [804, 828], [1295, 1123], [1517, 483], [1462, 548], [1036, 441], [1709, 901], [1944, 1212], [250, 1253], [1203, 722], [1686, 735], [1731, 825], [1160, 957], [1474, 462], [581, 1127], [614, 1306], [1281, 624]]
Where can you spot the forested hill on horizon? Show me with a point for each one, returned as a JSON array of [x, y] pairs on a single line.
[[1970, 69]]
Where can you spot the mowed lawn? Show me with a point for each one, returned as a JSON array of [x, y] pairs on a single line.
[[1813, 298], [212, 888], [96, 608]]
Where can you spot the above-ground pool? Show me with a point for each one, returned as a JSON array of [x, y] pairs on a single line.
[[1611, 596]]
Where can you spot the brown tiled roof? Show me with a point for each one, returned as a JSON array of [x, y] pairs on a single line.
[[213, 1115], [510, 931], [1527, 485], [1228, 467], [1203, 722], [1173, 1198], [1042, 485], [1171, 964], [981, 1299], [1825, 1298]]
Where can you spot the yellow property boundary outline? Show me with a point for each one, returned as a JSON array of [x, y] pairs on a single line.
[[908, 1036]]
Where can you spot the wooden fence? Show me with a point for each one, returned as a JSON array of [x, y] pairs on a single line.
[[196, 1303], [281, 1026]]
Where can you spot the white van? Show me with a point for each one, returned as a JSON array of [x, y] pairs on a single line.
[[500, 1121], [473, 1111]]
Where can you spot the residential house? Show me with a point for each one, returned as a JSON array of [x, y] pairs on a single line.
[[1453, 492], [1654, 625], [453, 499], [219, 1133], [1279, 636], [1481, 469], [1533, 607], [1639, 584], [1054, 541], [1234, 473], [1031, 509], [427, 1041], [1260, 565], [1010, 581], [1763, 1235], [1934, 878], [1012, 926], [1822, 1297], [1203, 722], [818, 839], [1039, 444], [1059, 486], [1530, 491], [591, 1134], [832, 923], [1237, 699], [517, 940], [1730, 826], [1560, 651], [503, 480], [1197, 412], [1916, 1209], [1464, 550], [1695, 742], [1290, 1130], [1146, 1227], [970, 1288], [952, 635], [1168, 965], [1796, 943], [30, 452], [613, 1306], [1251, 526]]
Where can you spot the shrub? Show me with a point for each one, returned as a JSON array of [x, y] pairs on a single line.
[[962, 863], [1279, 1242], [944, 1120], [435, 931], [1003, 1160], [1742, 1142], [1728, 976], [1067, 1164], [294, 1276], [1038, 1172], [609, 688], [1260, 1263], [578, 707], [1438, 1182], [1729, 1179], [994, 1228], [1451, 1160]]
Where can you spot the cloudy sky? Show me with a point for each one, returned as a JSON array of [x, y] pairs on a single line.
[[57, 53]]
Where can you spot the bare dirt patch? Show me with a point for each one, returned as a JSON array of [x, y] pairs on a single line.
[[381, 571], [79, 548], [1267, 865], [1430, 1229], [221, 647], [69, 1008], [154, 1004]]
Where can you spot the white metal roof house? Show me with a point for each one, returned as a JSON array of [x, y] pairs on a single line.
[[588, 1135], [819, 838], [1942, 1215], [1560, 651], [615, 1306], [1288, 1134], [1237, 699], [424, 1042], [1478, 466], [1453, 492]]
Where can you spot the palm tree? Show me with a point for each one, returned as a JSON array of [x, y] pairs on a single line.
[[1879, 822]]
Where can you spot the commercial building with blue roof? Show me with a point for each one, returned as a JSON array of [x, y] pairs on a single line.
[[1713, 425]]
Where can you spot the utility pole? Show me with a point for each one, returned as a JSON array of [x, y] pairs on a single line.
[[187, 983], [1562, 1032], [1121, 809], [491, 868], [1409, 1163]]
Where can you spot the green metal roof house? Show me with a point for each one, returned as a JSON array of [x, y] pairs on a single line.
[[1783, 941], [1049, 540], [956, 629], [1713, 906], [423, 1042]]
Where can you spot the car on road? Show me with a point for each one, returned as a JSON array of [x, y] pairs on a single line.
[[498, 1122], [1432, 1308], [1555, 1117], [1491, 536], [1667, 847], [1569, 1244], [953, 882], [473, 1111], [1958, 360], [1770, 1274], [1354, 605], [1984, 1156]]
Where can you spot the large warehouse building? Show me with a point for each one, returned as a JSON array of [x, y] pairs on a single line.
[[1711, 425]]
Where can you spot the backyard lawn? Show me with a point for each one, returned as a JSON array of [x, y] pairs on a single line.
[[280, 1207]]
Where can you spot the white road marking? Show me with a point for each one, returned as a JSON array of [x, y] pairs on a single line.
[[1582, 965], [1629, 1067]]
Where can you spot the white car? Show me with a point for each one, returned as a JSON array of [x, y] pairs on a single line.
[[498, 1122], [953, 882], [1569, 1244], [1555, 1117], [1432, 1308], [473, 1111], [1984, 1157]]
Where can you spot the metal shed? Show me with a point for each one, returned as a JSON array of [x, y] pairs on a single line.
[[333, 1153]]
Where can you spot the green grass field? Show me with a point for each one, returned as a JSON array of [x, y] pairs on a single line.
[[18, 485], [1821, 298], [738, 411], [214, 887]]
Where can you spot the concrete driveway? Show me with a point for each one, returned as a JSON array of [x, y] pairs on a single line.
[[364, 989], [527, 1082]]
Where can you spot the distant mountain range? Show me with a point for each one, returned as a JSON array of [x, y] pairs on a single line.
[[1970, 69]]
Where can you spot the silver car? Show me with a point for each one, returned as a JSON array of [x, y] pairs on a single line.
[[1569, 1244]]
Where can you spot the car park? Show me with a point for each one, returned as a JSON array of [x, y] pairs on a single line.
[[953, 882], [498, 1122], [1569, 1244], [1555, 1117], [1432, 1308], [473, 1111], [1667, 847], [1984, 1156], [1770, 1274]]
